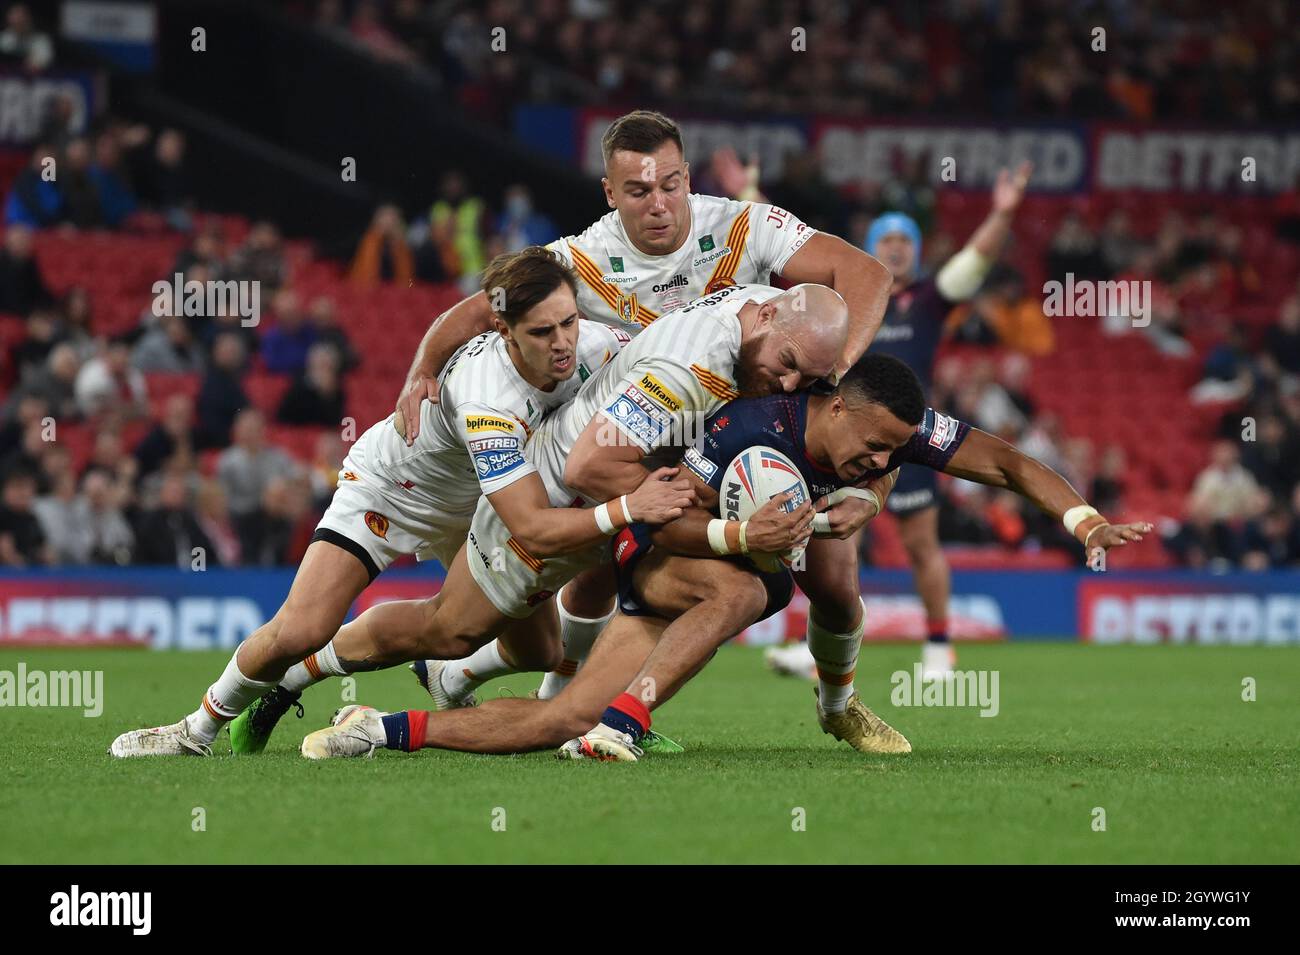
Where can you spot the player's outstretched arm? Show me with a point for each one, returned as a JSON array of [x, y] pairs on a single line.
[[984, 459], [962, 275], [860, 278], [546, 531], [450, 330]]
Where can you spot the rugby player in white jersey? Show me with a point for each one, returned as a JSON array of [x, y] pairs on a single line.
[[662, 246], [653, 396], [395, 499]]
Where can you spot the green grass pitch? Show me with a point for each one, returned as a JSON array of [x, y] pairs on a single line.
[[1158, 737]]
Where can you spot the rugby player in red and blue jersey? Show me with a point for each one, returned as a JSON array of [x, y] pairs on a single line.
[[680, 599]]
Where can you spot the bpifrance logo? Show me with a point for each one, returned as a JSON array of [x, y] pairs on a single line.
[[377, 523], [481, 422]]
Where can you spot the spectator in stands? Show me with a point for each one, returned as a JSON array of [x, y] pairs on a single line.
[[317, 396], [520, 224], [27, 456], [62, 517], [22, 542], [54, 384], [327, 459], [1117, 243], [1074, 250], [1111, 479], [116, 199], [1273, 458], [79, 193], [74, 326], [1225, 490], [34, 197], [22, 287], [221, 395], [174, 435], [168, 346], [467, 216], [246, 469], [322, 316], [1282, 340], [286, 343], [105, 524], [1226, 374], [436, 260], [21, 42], [213, 519], [205, 249], [30, 353], [108, 383], [169, 533], [56, 124], [19, 412], [368, 29], [260, 259], [1272, 541], [164, 184], [286, 525], [382, 254]]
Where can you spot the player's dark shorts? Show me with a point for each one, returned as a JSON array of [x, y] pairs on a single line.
[[632, 544], [917, 489]]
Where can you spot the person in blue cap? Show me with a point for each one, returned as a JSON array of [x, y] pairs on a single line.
[[912, 328]]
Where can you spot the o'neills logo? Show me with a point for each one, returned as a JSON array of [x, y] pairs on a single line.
[[677, 281], [377, 523]]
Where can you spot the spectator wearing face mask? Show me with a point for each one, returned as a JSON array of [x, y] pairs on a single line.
[[521, 225]]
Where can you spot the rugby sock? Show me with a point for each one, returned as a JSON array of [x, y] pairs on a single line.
[[577, 635], [937, 630], [223, 701], [321, 665], [837, 659], [405, 730], [627, 715], [464, 676]]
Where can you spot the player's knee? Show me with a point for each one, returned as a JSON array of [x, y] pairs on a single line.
[[835, 599], [296, 636], [740, 596]]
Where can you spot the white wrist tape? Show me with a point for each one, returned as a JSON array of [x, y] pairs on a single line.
[[821, 523], [1077, 515], [627, 515], [602, 520], [961, 276], [744, 547], [718, 537]]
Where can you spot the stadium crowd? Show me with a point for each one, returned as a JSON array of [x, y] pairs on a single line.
[[1032, 58]]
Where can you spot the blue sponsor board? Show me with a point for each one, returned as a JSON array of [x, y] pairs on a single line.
[[215, 609]]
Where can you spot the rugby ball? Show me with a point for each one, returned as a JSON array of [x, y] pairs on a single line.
[[754, 477]]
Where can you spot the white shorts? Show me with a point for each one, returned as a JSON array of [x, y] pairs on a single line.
[[377, 530], [514, 580]]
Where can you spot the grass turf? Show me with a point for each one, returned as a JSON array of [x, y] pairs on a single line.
[[1159, 737]]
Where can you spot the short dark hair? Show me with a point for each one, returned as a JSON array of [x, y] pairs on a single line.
[[884, 380], [514, 282], [640, 131]]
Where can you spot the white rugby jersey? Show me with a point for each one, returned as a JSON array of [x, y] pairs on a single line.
[[658, 390], [472, 440], [730, 242]]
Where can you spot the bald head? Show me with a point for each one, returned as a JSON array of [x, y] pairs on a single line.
[[791, 340]]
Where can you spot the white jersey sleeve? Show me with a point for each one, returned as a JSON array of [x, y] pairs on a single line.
[[495, 444], [775, 235]]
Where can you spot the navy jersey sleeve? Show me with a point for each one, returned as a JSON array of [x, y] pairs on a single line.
[[776, 422], [936, 440]]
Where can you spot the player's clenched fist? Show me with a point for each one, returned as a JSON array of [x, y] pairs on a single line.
[[408, 406], [773, 531], [660, 499]]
